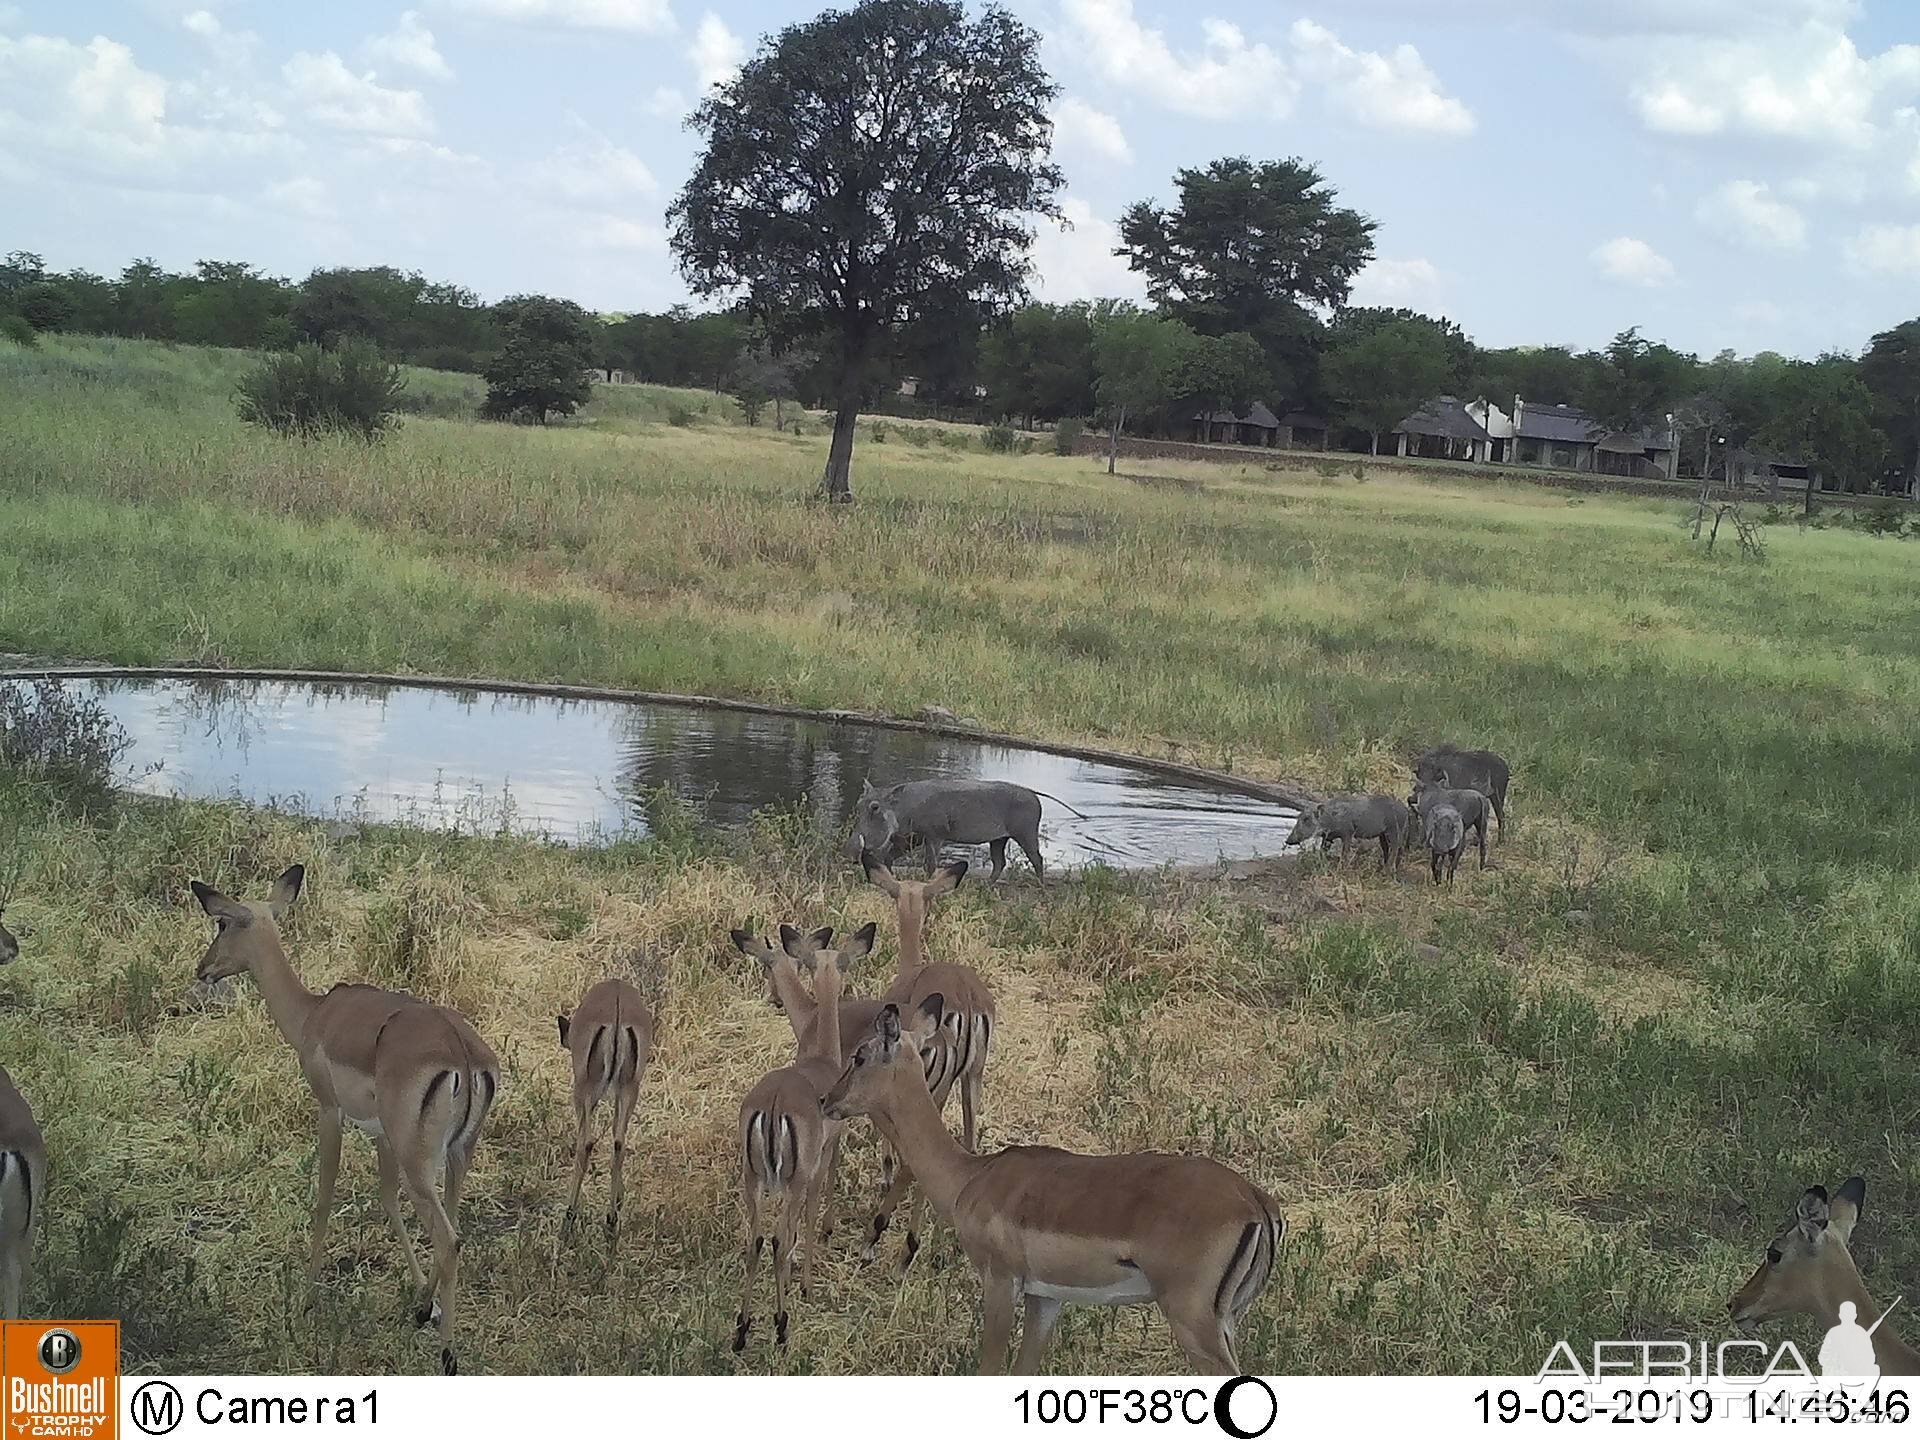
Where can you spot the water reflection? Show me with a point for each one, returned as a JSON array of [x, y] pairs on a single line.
[[581, 769]]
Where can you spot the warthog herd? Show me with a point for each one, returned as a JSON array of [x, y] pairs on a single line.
[[1454, 791]]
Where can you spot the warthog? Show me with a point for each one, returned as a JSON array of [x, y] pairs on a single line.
[[1480, 770], [949, 812], [1348, 818], [1472, 805], [1446, 836]]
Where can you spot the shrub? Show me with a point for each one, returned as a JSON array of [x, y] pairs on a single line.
[[1887, 517], [1000, 437], [1067, 434], [916, 436], [679, 415], [67, 741], [879, 433], [307, 391], [16, 329]]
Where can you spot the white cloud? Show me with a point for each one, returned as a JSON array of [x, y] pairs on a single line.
[[1633, 262], [1806, 81], [410, 45], [1228, 77], [1384, 92], [1395, 282], [595, 172], [716, 52], [88, 100], [332, 94], [304, 196], [645, 16], [611, 232], [1888, 249], [1078, 127], [1079, 263], [667, 103], [1746, 212], [229, 47]]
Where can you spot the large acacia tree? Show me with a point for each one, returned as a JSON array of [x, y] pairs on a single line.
[[865, 170]]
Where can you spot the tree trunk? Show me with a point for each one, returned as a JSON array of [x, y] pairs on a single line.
[[779, 415], [1113, 440], [1375, 438], [1807, 507], [835, 483], [1913, 485]]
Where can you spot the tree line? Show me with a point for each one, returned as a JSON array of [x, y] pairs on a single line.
[[863, 209]]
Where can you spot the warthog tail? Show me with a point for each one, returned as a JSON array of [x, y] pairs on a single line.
[[1058, 801]]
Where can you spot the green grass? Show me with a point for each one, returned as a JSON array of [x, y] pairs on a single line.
[[1690, 989]]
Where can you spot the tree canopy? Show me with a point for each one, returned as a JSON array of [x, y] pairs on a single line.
[[546, 351], [1381, 366], [867, 168]]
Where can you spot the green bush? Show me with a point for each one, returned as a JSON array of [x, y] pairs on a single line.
[[1000, 437], [16, 329], [1067, 434], [308, 391], [679, 415], [1886, 517], [879, 433], [61, 739]]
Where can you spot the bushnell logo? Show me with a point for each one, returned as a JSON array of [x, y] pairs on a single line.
[[61, 1378]]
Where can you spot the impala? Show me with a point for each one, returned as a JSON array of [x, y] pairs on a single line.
[[1179, 1231], [787, 1146], [1808, 1270], [609, 1037], [958, 1057], [23, 1185], [416, 1077]]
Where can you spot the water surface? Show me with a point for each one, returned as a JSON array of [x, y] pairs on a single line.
[[574, 770]]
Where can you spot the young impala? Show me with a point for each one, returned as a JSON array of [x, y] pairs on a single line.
[[23, 1188], [1808, 1270], [787, 1146], [609, 1037], [1178, 1231], [416, 1077]]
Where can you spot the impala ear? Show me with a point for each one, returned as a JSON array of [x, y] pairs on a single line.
[[859, 945], [821, 938], [947, 877], [565, 1025], [932, 1011], [887, 1027], [878, 873], [792, 941], [747, 943], [286, 890], [1844, 1209], [1813, 1213], [219, 906]]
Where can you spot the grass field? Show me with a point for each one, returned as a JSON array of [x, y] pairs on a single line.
[[1569, 1099]]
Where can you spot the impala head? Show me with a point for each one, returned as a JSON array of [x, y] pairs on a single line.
[[244, 930], [890, 1047], [814, 951], [913, 897], [876, 824], [1807, 1264]]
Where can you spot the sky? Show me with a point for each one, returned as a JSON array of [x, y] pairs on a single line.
[[1738, 174]]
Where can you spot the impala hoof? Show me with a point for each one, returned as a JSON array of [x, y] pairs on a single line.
[[447, 1364], [740, 1333], [613, 1227], [913, 1249], [780, 1328]]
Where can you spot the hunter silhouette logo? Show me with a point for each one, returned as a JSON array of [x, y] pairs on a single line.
[[1846, 1355], [61, 1378]]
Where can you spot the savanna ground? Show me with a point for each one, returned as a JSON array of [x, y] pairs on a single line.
[[1569, 1099]]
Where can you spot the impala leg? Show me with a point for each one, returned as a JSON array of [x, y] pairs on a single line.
[[821, 1221], [1201, 1332], [390, 1202], [996, 1323], [970, 1106], [12, 1279], [582, 1152], [623, 1103], [327, 1164], [1043, 1313], [446, 1256], [809, 1228], [784, 1235], [750, 1203]]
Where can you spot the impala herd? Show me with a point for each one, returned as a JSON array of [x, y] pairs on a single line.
[[1041, 1226]]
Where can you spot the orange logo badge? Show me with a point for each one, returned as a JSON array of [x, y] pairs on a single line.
[[60, 1379]]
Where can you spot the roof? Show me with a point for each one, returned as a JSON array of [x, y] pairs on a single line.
[[1258, 415], [1443, 416], [1553, 422], [1565, 423], [1304, 420]]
